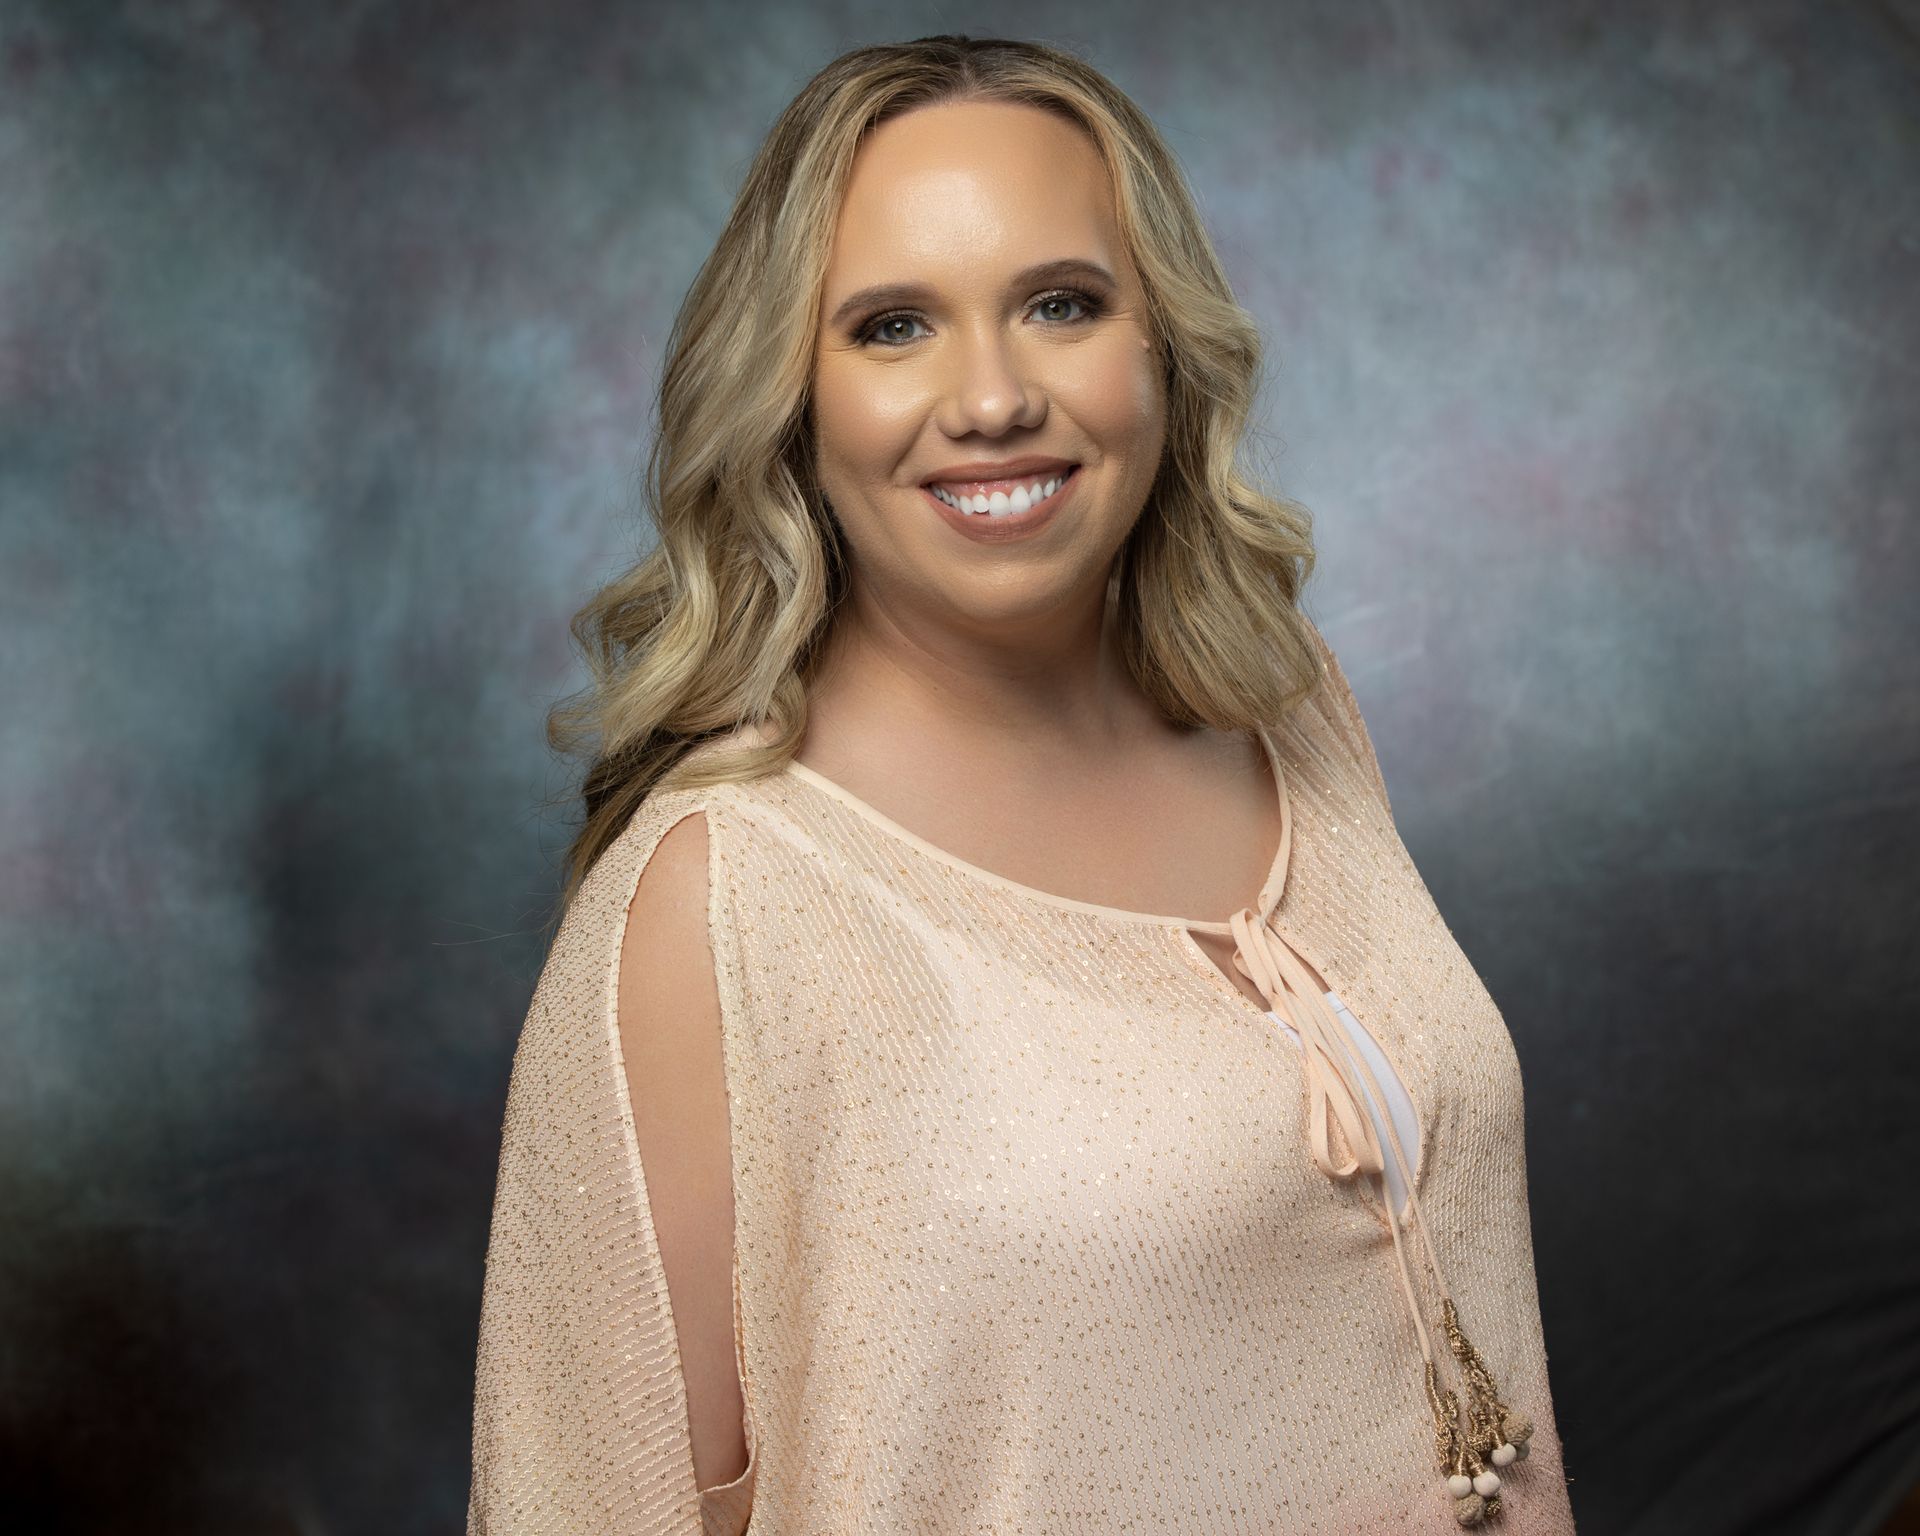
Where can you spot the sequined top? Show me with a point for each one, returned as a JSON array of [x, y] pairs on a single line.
[[1041, 1223]]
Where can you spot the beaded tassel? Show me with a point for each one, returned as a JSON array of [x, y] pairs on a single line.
[[1493, 1432]]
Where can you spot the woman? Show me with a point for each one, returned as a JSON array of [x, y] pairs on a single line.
[[881, 1154]]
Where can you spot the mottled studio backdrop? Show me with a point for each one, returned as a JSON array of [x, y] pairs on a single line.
[[327, 340]]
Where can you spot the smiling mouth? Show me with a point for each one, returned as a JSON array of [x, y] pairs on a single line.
[[1017, 497]]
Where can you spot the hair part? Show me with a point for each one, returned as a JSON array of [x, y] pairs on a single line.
[[724, 622]]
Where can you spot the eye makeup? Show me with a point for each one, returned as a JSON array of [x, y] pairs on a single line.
[[1093, 305]]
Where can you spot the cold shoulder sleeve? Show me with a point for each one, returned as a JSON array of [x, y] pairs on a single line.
[[580, 1410], [1346, 712]]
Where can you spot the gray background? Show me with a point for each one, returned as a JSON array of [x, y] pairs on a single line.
[[327, 341]]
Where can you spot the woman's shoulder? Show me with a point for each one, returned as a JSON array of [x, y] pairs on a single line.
[[596, 915], [1334, 697], [668, 804]]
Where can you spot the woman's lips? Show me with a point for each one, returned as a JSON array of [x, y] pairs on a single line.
[[989, 527], [1006, 484], [966, 490]]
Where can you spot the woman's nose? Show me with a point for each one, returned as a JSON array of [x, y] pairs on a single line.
[[990, 386]]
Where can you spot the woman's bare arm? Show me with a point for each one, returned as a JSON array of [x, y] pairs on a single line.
[[669, 1017]]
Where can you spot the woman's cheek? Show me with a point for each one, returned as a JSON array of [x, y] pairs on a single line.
[[1114, 387]]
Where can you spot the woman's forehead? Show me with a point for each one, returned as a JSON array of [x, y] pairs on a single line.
[[972, 179]]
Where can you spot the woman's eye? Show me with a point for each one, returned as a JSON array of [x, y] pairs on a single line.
[[887, 329], [879, 329], [1063, 299]]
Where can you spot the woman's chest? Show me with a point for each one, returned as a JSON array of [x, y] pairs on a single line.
[[1005, 1059], [961, 1107]]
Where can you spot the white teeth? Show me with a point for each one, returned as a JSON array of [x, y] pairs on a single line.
[[1001, 504]]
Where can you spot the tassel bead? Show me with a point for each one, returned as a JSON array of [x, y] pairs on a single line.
[[1470, 1510]]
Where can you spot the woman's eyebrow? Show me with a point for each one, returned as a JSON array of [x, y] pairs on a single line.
[[1061, 270]]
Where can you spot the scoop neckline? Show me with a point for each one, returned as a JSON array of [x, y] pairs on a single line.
[[1262, 902]]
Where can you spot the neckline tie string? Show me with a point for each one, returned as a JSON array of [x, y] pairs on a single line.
[[1492, 1432]]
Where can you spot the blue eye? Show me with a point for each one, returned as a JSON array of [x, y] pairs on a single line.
[[871, 332], [1086, 300], [872, 329]]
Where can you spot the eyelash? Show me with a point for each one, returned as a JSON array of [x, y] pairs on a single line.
[[1093, 305]]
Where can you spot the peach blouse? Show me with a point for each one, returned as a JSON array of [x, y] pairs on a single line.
[[1041, 1224]]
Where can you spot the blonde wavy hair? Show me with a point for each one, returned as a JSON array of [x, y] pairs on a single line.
[[723, 622]]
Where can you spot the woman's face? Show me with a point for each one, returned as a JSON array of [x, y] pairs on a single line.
[[982, 357]]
